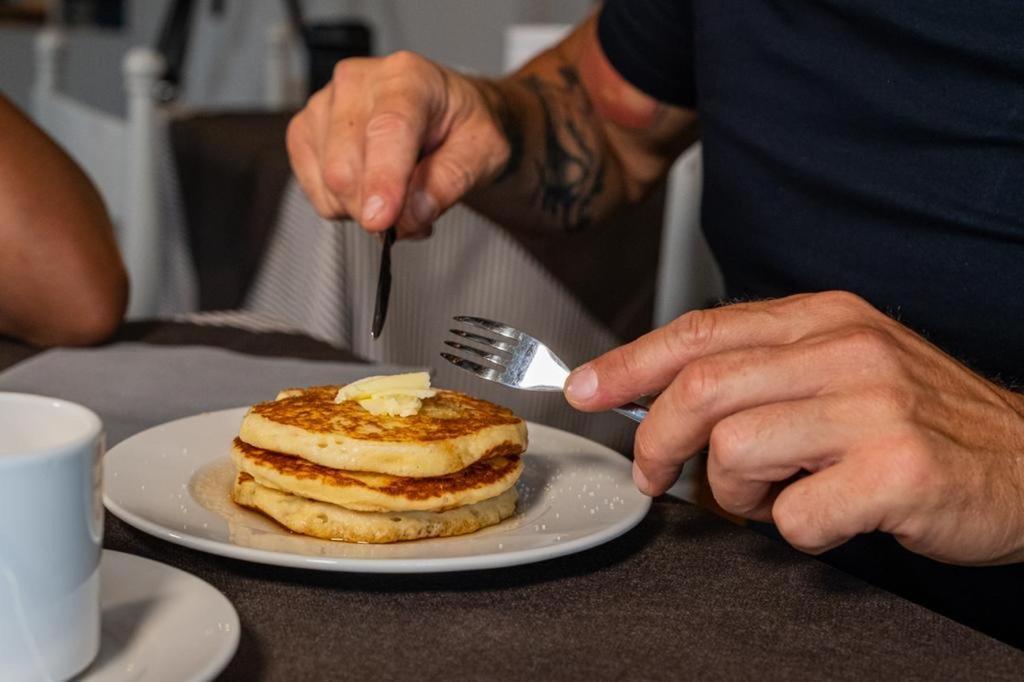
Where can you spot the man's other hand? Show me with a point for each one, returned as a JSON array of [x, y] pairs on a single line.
[[830, 419]]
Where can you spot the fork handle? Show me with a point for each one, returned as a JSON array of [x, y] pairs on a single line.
[[634, 411]]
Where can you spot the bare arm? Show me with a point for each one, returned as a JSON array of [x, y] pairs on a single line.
[[61, 278], [563, 142]]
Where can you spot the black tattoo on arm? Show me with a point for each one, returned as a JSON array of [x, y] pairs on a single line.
[[571, 169]]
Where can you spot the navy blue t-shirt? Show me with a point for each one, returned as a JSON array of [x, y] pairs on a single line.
[[875, 146]]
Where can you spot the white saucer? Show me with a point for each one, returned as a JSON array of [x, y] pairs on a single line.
[[160, 623], [173, 482]]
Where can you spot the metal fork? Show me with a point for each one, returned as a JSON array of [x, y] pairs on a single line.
[[515, 358]]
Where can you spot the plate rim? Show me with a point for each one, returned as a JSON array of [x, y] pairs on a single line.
[[384, 566], [216, 664]]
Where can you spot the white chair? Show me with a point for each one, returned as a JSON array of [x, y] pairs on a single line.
[[129, 160], [688, 276], [283, 87], [119, 155]]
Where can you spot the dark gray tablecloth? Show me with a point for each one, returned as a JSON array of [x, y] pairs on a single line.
[[684, 595]]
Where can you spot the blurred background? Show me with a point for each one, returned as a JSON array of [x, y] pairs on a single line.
[[177, 110], [228, 38]]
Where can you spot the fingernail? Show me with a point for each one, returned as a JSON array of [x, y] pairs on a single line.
[[424, 208], [581, 385], [640, 480], [372, 208]]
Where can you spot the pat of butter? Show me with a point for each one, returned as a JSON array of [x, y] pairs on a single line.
[[396, 406], [398, 395]]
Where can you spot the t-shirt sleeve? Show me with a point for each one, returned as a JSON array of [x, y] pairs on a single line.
[[650, 43]]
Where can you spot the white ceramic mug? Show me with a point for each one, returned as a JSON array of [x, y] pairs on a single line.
[[51, 530]]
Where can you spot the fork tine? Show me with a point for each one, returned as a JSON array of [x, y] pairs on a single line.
[[490, 357], [507, 346], [490, 325], [470, 366]]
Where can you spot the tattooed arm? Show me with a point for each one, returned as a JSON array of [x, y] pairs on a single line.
[[561, 143], [563, 179], [583, 140]]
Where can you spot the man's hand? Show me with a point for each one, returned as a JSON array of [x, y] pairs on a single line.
[[561, 144], [829, 418], [394, 140]]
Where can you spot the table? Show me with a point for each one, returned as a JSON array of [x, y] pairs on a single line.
[[684, 595]]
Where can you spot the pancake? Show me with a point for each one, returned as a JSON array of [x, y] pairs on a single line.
[[362, 491], [331, 522], [451, 431]]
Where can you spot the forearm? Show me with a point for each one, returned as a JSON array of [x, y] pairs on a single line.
[[560, 173], [61, 278], [582, 142]]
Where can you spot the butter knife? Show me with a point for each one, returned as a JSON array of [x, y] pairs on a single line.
[[380, 308]]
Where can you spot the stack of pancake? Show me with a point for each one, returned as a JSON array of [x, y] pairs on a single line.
[[336, 471]]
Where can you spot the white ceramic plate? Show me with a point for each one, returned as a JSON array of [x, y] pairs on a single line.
[[160, 623], [173, 482]]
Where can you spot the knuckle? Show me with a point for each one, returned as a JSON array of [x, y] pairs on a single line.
[[910, 466], [317, 103], [459, 178], [693, 330], [892, 400], [387, 124], [728, 445], [323, 209], [697, 386], [405, 59], [343, 70], [619, 365], [841, 300], [349, 68], [339, 177], [728, 488], [868, 343], [721, 490], [794, 524], [293, 134], [320, 203], [728, 500], [319, 100]]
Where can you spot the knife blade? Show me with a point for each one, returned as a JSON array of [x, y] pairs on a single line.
[[380, 308]]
